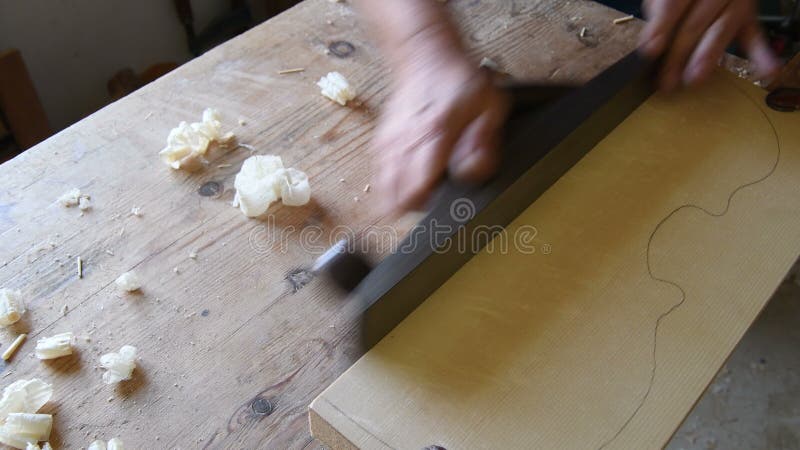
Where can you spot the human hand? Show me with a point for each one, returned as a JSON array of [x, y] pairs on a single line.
[[444, 116], [692, 36]]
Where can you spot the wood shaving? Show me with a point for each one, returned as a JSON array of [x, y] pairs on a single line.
[[187, 144], [54, 346], [622, 20], [263, 180], [12, 306], [119, 365], [287, 71], [128, 282], [336, 87], [489, 63], [84, 203], [9, 352], [70, 198]]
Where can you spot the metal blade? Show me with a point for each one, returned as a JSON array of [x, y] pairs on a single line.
[[539, 147]]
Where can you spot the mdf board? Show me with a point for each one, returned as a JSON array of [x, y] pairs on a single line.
[[649, 260]]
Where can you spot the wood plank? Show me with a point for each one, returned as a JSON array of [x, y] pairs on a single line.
[[650, 260], [228, 329]]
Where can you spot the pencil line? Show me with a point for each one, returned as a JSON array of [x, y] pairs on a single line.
[[674, 284]]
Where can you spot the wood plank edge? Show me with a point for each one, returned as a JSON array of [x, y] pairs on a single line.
[[325, 432]]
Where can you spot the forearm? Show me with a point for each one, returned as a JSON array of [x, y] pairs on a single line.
[[404, 28]]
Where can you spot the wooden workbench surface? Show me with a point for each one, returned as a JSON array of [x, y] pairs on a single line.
[[231, 351]]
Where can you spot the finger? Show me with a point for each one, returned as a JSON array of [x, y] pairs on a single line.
[[425, 162], [422, 169], [663, 17], [409, 170], [694, 25], [476, 153], [386, 173], [711, 48], [752, 40]]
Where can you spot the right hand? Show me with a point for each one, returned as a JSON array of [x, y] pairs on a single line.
[[444, 115], [693, 35]]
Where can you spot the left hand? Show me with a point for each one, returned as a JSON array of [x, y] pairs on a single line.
[[692, 36]]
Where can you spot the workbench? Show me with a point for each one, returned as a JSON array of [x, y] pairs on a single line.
[[235, 343]]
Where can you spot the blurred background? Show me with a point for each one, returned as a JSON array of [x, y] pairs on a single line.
[[61, 60]]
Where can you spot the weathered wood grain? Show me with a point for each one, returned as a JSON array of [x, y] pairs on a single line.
[[228, 334]]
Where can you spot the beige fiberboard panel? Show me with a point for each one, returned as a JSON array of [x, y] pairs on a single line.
[[660, 248]]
